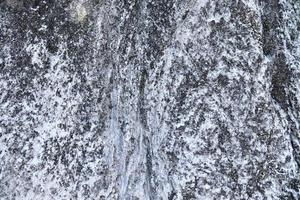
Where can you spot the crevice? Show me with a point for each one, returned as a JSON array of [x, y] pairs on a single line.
[[149, 172], [282, 75], [141, 103]]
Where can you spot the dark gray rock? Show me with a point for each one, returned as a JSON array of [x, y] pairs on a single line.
[[149, 99]]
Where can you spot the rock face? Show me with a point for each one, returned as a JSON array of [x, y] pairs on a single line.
[[145, 99]]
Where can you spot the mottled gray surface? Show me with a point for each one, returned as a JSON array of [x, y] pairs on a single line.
[[150, 99]]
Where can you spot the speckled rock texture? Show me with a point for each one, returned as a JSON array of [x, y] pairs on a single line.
[[150, 99]]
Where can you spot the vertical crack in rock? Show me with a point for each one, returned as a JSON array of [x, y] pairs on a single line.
[[283, 78]]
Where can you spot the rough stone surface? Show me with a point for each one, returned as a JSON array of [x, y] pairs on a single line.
[[150, 99]]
